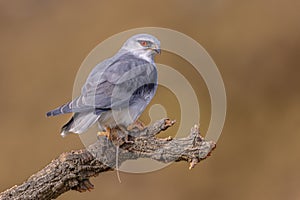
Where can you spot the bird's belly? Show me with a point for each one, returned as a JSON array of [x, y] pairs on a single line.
[[123, 117]]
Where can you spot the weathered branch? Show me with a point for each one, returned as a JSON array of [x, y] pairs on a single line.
[[72, 170]]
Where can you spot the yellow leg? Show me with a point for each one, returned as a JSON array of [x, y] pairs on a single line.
[[105, 133]]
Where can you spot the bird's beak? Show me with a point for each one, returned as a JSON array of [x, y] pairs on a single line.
[[156, 49]]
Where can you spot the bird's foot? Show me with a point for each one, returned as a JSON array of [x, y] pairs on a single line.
[[106, 133], [117, 135], [123, 136]]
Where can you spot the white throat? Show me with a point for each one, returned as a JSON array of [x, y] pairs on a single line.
[[145, 55]]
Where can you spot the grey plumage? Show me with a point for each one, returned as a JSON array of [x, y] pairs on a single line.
[[117, 90]]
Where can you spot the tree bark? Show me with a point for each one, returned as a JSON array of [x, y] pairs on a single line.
[[72, 170]]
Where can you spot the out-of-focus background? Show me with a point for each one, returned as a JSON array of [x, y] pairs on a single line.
[[255, 44]]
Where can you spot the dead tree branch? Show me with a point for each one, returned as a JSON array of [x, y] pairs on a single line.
[[72, 170]]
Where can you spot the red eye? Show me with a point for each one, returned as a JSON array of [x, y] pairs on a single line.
[[144, 43]]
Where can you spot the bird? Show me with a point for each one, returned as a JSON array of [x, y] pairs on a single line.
[[117, 90]]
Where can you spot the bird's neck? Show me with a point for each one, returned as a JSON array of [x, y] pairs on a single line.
[[147, 57]]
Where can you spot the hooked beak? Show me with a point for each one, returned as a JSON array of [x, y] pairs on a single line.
[[156, 49]]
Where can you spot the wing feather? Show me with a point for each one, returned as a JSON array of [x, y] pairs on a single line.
[[114, 86]]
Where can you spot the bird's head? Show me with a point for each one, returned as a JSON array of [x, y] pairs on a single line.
[[143, 45]]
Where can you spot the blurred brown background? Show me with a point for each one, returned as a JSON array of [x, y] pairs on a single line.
[[255, 44]]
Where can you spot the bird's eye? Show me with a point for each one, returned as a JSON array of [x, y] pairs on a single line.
[[144, 43]]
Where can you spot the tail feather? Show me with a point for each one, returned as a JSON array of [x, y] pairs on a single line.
[[66, 108], [65, 129], [79, 123], [77, 105]]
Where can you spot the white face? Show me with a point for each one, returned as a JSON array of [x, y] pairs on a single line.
[[143, 44]]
